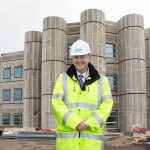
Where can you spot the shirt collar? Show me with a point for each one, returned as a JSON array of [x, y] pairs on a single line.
[[85, 74]]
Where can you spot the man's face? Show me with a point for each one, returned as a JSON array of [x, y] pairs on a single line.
[[81, 62]]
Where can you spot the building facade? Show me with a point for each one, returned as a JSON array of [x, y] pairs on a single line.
[[120, 50]]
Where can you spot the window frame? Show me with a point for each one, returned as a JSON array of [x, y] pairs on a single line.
[[112, 122], [114, 86], [3, 119], [69, 48], [5, 69], [110, 55], [4, 99], [16, 67], [20, 119], [20, 98]]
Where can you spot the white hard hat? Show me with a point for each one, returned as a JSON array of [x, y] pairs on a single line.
[[80, 48]]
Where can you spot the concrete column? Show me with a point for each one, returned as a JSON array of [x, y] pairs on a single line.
[[92, 31], [131, 72], [147, 57], [54, 47], [32, 79]]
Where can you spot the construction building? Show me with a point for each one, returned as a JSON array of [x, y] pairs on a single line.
[[120, 50]]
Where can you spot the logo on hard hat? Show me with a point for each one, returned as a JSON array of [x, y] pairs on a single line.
[[78, 50]]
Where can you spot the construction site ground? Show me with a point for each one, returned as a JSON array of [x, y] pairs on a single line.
[[120, 143]]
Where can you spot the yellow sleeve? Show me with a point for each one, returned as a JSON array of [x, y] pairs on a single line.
[[99, 116], [62, 113]]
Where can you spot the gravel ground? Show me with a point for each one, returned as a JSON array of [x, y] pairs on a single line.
[[125, 143], [130, 147], [17, 144]]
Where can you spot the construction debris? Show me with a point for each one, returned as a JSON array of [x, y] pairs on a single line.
[[127, 139], [122, 141]]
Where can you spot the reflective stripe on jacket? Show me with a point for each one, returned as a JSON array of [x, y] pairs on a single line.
[[71, 105]]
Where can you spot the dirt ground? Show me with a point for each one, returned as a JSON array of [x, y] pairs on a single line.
[[126, 143], [17, 144], [130, 147]]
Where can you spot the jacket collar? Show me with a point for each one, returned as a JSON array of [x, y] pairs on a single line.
[[93, 73]]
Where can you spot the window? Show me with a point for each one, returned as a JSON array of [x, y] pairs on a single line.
[[6, 119], [112, 78], [6, 94], [112, 120], [17, 119], [69, 48], [110, 50], [17, 94], [6, 73], [18, 72]]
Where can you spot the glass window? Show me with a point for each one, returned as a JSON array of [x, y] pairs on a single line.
[[17, 94], [6, 94], [18, 72], [110, 50], [112, 78], [69, 48], [112, 120], [17, 119], [6, 119], [6, 73]]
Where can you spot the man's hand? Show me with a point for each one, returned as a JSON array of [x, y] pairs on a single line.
[[82, 126]]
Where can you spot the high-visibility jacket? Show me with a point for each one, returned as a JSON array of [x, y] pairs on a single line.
[[71, 105]]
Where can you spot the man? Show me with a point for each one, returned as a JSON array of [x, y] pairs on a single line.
[[81, 102]]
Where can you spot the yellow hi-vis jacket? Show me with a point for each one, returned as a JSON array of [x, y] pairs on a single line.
[[71, 105]]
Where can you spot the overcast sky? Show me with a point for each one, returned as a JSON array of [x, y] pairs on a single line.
[[19, 16]]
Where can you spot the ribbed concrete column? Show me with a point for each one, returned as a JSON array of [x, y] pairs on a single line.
[[147, 56], [92, 30], [32, 79], [54, 47], [131, 72]]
